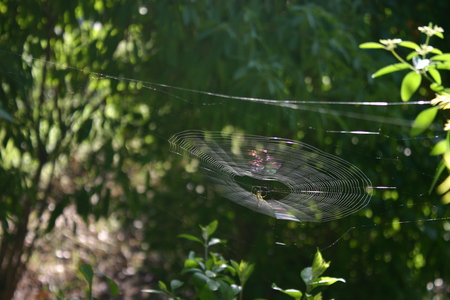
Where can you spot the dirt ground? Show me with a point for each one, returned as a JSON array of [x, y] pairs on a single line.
[[53, 268]]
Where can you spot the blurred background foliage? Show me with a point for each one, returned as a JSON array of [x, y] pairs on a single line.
[[84, 136]]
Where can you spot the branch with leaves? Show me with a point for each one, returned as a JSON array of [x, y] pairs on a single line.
[[423, 65]]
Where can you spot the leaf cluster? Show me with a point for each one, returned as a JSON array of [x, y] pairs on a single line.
[[312, 278]]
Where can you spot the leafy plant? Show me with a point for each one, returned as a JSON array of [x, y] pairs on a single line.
[[421, 65], [88, 273], [212, 275], [312, 278]]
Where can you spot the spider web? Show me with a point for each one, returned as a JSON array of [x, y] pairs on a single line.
[[355, 182], [277, 177]]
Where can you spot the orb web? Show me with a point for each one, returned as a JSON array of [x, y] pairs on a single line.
[[281, 178]]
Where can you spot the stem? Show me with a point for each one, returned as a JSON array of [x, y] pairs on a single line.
[[402, 60]]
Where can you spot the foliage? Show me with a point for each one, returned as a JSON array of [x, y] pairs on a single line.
[[423, 66], [100, 139], [210, 274], [311, 278], [88, 274]]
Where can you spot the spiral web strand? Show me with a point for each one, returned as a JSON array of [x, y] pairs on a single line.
[[281, 178]]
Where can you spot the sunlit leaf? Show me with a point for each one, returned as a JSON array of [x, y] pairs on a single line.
[[436, 51], [371, 45], [296, 294], [437, 174], [436, 87], [436, 75], [444, 66], [410, 84], [216, 241], [423, 120], [439, 148], [323, 281], [390, 69], [319, 265], [409, 44], [411, 55], [444, 186], [441, 57]]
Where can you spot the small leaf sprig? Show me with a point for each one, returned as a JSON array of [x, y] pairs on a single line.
[[312, 278]]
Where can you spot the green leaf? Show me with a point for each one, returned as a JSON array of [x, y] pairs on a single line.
[[371, 45], [190, 263], [439, 148], [410, 84], [390, 69], [411, 55], [443, 66], [211, 228], [436, 87], [150, 291], [57, 211], [190, 237], [162, 286], [296, 294], [436, 51], [306, 275], [113, 287], [423, 120], [436, 75], [88, 273], [439, 34], [441, 57], [319, 265], [437, 175], [323, 281], [4, 115], [175, 284], [84, 131], [215, 241], [409, 44]]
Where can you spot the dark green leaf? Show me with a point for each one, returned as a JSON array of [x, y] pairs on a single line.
[[211, 228], [4, 115], [113, 287], [88, 273], [84, 131], [190, 237], [423, 120], [57, 211], [437, 175], [175, 284], [307, 275], [410, 84]]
